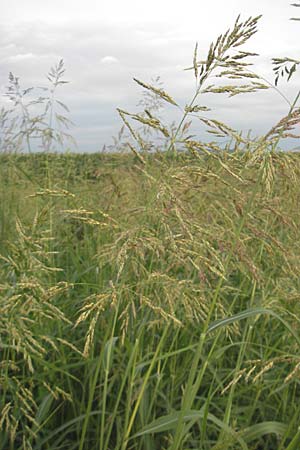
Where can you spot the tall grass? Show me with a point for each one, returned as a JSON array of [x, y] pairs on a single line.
[[151, 300]]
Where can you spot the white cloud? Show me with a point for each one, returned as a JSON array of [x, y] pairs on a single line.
[[21, 57], [109, 60]]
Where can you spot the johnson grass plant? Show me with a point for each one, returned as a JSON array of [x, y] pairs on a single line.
[[150, 300]]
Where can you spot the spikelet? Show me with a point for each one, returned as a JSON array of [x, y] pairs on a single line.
[[52, 193], [160, 92]]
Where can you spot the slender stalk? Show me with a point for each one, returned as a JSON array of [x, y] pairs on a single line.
[[108, 361], [93, 386], [142, 389]]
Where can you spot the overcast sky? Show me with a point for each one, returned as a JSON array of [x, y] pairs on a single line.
[[106, 43]]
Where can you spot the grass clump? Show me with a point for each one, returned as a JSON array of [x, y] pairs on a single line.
[[171, 299], [150, 299]]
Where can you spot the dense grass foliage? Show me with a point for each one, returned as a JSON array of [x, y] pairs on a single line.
[[150, 305], [151, 300]]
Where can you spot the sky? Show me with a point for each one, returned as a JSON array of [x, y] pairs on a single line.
[[104, 44]]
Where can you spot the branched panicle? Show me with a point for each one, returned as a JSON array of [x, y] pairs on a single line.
[[56, 122], [151, 98], [229, 62], [28, 313], [149, 120], [285, 126], [219, 52], [286, 67], [36, 118], [8, 124], [56, 73], [151, 103], [223, 60], [160, 92], [136, 136], [14, 91], [24, 125]]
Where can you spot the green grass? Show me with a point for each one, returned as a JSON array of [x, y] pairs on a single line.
[[151, 301], [148, 306]]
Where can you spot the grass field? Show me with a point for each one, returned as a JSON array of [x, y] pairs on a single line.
[[150, 305], [149, 299]]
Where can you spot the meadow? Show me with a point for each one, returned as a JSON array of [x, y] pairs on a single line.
[[150, 298]]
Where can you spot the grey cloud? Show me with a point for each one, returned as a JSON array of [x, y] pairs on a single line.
[[141, 50]]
